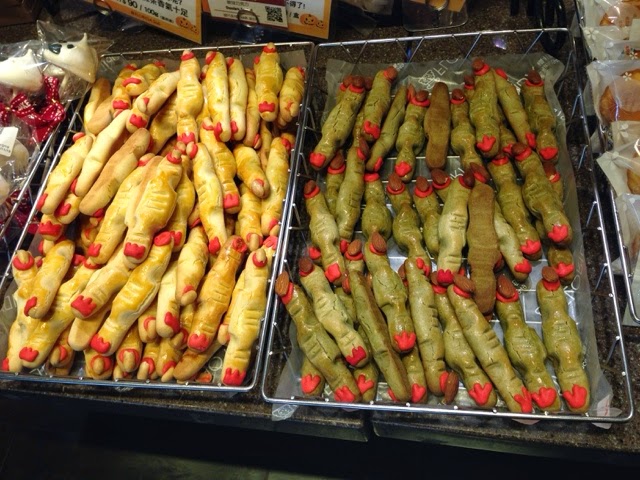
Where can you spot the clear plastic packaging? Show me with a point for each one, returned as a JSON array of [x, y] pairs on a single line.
[[615, 89], [71, 56], [281, 380]]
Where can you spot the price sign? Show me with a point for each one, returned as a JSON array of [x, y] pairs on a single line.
[[180, 17], [309, 17]]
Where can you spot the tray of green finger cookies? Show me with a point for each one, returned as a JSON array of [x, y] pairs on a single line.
[[434, 247]]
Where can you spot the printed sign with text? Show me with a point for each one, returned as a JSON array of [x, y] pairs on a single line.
[[180, 17], [309, 17], [271, 13]]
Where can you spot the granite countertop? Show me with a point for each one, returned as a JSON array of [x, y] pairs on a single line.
[[621, 442]]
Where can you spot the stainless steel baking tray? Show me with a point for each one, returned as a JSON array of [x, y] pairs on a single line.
[[292, 54], [422, 59]]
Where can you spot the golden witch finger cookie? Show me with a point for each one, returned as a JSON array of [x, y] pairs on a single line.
[[108, 238], [168, 358], [217, 83], [98, 366], [192, 264], [277, 173], [185, 201], [215, 294], [269, 79], [24, 269], [115, 170], [238, 95], [147, 322], [210, 200], [129, 353], [113, 104], [148, 103], [148, 364], [43, 337], [136, 295], [100, 90], [105, 283], [48, 279], [154, 209], [168, 308], [247, 225], [225, 166], [290, 97], [244, 328], [142, 78], [190, 98], [252, 136], [105, 144], [163, 125], [61, 357], [250, 171], [64, 173], [83, 329]]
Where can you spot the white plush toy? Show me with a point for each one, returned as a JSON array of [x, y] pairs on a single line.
[[79, 58], [22, 72]]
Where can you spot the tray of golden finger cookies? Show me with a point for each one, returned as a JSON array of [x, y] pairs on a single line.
[[434, 259], [149, 258]]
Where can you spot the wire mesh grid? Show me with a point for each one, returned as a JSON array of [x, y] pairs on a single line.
[[297, 53], [405, 52]]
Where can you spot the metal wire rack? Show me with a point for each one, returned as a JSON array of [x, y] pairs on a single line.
[[603, 137], [296, 53], [407, 53], [10, 225]]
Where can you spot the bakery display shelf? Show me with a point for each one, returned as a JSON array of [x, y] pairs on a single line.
[[627, 271], [418, 57], [291, 54], [603, 135], [625, 263]]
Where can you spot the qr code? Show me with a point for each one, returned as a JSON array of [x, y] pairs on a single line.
[[274, 14]]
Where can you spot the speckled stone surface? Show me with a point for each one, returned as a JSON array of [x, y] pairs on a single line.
[[620, 443]]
